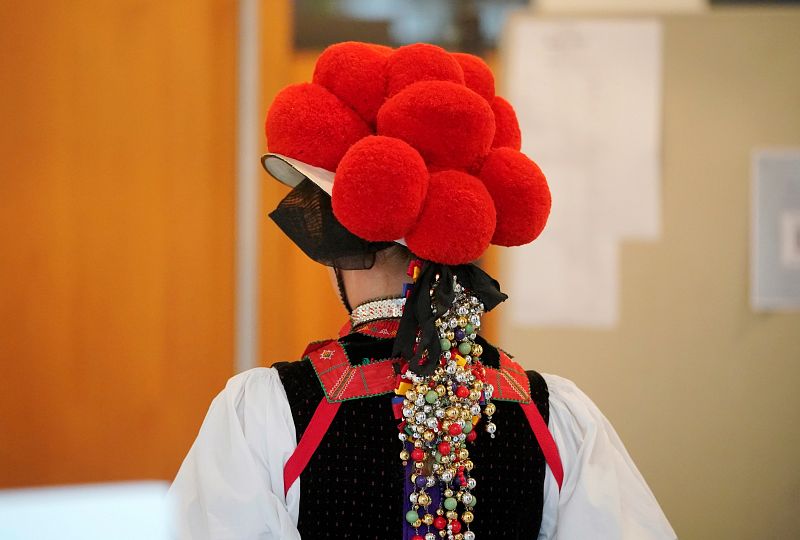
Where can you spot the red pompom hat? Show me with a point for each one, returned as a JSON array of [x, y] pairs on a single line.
[[413, 146]]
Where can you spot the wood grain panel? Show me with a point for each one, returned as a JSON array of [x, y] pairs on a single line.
[[116, 227]]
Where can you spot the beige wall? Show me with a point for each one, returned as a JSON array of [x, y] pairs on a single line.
[[702, 389]]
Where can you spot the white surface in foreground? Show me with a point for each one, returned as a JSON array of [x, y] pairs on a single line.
[[125, 511]]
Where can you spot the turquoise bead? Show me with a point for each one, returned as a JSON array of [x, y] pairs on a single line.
[[431, 396], [412, 516], [465, 347], [450, 503], [467, 427], [472, 502], [470, 329], [445, 343]]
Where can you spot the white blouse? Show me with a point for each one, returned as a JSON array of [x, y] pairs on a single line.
[[230, 486]]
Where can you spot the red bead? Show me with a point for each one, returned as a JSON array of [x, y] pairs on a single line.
[[444, 449], [462, 391], [417, 537], [455, 429], [440, 522], [471, 436], [431, 384], [455, 526], [417, 454], [479, 372]]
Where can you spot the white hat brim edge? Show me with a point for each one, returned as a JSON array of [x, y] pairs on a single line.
[[291, 172]]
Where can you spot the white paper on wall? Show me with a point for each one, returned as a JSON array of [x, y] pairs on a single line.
[[588, 97], [775, 245]]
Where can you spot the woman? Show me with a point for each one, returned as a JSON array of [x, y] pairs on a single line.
[[410, 424]]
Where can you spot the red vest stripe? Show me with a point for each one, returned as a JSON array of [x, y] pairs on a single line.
[[545, 440], [320, 422]]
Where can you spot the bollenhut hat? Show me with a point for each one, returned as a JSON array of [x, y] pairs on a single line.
[[408, 145]]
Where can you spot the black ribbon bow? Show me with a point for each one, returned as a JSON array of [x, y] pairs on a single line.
[[418, 312]]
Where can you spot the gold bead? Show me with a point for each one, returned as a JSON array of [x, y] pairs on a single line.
[[443, 533], [448, 492], [424, 499], [427, 519], [463, 453], [417, 524], [474, 395], [404, 455], [490, 409], [419, 464], [410, 396], [462, 322], [459, 536], [477, 350], [428, 436], [451, 413], [478, 385], [441, 390], [468, 465], [451, 514], [467, 517], [450, 335]]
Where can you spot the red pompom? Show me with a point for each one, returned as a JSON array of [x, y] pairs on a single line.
[[507, 133], [308, 123], [355, 73], [521, 196], [457, 220], [449, 124], [382, 49], [379, 188], [420, 62], [477, 75]]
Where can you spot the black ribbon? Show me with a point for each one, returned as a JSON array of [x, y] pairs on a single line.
[[419, 315]]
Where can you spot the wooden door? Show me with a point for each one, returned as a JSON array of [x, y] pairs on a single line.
[[117, 142]]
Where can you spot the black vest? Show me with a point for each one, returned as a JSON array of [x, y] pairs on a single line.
[[353, 485]]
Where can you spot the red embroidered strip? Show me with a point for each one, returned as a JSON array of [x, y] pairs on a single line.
[[342, 381]]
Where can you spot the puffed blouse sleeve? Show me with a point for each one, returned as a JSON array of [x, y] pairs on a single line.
[[603, 494], [230, 486]]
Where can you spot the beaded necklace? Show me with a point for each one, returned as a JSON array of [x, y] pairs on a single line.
[[439, 416], [374, 310]]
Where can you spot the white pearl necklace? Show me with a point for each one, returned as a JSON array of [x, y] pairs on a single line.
[[387, 308]]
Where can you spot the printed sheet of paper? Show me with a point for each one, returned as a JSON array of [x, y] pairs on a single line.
[[588, 97]]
